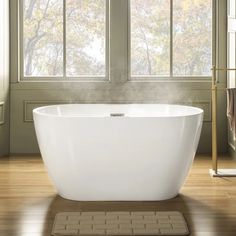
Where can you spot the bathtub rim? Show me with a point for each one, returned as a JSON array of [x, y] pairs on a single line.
[[197, 111]]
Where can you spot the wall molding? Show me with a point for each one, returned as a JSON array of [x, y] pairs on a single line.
[[2, 108], [231, 141], [29, 105], [231, 145]]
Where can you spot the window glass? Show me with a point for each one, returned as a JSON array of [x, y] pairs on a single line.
[[43, 37], [85, 37], [192, 37], [44, 31], [150, 37]]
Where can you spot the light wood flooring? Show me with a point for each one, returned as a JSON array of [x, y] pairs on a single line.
[[28, 201]]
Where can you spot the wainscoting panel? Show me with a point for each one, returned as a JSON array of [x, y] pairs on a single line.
[[22, 131], [2, 113]]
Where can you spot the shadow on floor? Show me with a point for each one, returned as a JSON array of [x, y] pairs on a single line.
[[36, 217]]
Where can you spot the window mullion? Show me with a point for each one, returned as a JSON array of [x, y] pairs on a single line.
[[64, 39], [107, 39], [20, 42], [118, 41], [171, 38]]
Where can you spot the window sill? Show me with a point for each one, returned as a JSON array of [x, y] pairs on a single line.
[[106, 85]]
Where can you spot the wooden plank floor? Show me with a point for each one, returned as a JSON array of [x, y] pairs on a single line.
[[28, 202]]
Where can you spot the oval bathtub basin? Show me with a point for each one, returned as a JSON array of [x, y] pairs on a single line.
[[113, 152]]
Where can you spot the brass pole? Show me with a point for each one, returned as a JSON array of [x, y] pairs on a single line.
[[214, 171], [214, 120]]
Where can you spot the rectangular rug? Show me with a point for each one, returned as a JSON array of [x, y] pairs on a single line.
[[120, 223]]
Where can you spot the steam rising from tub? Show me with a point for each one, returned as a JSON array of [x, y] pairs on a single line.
[[159, 92]]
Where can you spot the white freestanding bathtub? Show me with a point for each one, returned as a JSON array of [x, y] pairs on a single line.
[[113, 152]]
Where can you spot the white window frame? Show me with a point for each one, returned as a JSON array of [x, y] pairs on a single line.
[[117, 51], [171, 76], [64, 77]]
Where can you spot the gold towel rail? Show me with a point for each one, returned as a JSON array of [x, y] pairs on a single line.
[[215, 172]]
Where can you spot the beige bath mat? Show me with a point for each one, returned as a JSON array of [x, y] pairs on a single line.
[[120, 223]]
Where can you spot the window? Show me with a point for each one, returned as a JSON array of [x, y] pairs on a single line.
[[85, 37], [69, 38], [170, 37], [192, 37], [43, 38], [64, 38], [150, 37]]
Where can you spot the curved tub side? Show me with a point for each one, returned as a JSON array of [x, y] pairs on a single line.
[[118, 158]]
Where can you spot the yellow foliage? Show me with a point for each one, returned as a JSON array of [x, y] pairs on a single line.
[[191, 4]]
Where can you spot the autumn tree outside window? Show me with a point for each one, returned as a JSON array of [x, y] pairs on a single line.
[[70, 38], [171, 37], [64, 38]]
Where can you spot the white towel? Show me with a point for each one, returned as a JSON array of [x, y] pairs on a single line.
[[231, 109]]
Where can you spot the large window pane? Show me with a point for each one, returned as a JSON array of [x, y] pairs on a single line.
[[192, 37], [150, 37], [85, 37], [43, 37]]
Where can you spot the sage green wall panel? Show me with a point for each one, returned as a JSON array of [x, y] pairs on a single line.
[[4, 77], [23, 101]]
